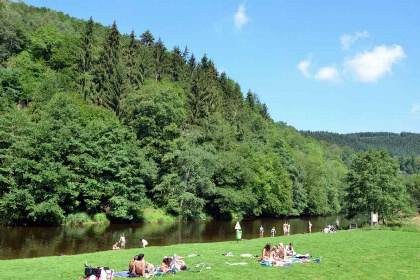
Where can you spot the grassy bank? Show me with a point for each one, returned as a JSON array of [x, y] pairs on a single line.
[[361, 254]]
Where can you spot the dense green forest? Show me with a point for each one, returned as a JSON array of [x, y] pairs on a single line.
[[402, 144], [94, 121]]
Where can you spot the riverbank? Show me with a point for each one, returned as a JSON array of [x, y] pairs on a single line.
[[359, 254]]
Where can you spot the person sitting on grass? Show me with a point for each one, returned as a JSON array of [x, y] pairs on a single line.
[[274, 258], [135, 267], [139, 266], [115, 247], [289, 250], [281, 251], [266, 253]]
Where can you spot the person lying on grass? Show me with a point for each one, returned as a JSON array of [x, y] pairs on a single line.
[[177, 263]]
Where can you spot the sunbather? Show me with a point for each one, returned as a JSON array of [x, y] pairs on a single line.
[[266, 252], [281, 251], [140, 267], [177, 263], [115, 247], [135, 267], [166, 263], [289, 250]]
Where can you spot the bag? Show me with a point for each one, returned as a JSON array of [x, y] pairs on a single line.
[[106, 274], [93, 271]]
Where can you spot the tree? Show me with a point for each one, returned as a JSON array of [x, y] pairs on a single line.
[[374, 185], [110, 73], [159, 59], [86, 59], [147, 39], [132, 62], [45, 41]]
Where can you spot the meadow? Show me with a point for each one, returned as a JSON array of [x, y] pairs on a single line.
[[385, 253]]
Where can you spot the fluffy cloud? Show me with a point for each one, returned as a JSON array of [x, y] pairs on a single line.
[[328, 73], [347, 40], [415, 109], [240, 18], [369, 66], [303, 66]]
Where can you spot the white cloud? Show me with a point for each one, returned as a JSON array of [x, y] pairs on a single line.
[[347, 40], [303, 66], [369, 66], [240, 18], [415, 109], [328, 73]]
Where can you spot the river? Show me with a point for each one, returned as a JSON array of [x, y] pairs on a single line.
[[28, 242]]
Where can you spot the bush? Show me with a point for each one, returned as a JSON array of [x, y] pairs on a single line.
[[100, 218], [78, 219], [151, 215]]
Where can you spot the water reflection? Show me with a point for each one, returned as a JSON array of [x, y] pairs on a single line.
[[24, 242]]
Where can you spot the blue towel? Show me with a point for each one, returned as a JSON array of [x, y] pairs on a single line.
[[122, 274]]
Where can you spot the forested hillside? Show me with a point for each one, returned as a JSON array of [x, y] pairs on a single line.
[[94, 121], [403, 144]]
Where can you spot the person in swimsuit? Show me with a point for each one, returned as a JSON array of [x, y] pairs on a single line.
[[266, 252], [122, 241], [310, 227], [261, 231], [115, 247]]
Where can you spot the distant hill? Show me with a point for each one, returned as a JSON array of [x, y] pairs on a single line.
[[404, 144]]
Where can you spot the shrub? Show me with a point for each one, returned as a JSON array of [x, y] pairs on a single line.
[[78, 219], [100, 218]]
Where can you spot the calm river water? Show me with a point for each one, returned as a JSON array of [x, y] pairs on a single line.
[[24, 242]]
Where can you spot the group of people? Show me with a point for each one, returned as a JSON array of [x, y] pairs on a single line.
[[140, 267], [121, 243], [277, 254], [286, 230], [329, 229]]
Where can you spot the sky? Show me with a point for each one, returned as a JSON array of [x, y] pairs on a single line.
[[339, 66]]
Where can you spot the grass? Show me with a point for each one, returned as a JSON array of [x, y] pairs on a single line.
[[84, 219], [151, 215], [360, 254]]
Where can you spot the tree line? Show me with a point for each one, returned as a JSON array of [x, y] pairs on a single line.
[[95, 121]]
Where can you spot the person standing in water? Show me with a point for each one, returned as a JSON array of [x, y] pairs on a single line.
[[122, 241], [310, 227], [273, 231], [337, 223], [261, 231], [288, 229], [284, 228]]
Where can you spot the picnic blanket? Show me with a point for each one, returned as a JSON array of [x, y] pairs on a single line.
[[122, 274]]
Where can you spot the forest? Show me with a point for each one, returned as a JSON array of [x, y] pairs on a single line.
[[95, 121]]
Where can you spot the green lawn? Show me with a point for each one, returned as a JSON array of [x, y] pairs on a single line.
[[361, 254]]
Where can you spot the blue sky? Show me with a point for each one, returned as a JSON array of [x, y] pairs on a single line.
[[341, 66]]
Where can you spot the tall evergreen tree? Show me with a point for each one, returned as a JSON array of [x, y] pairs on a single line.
[[110, 75], [159, 59], [86, 59], [147, 39], [132, 61]]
